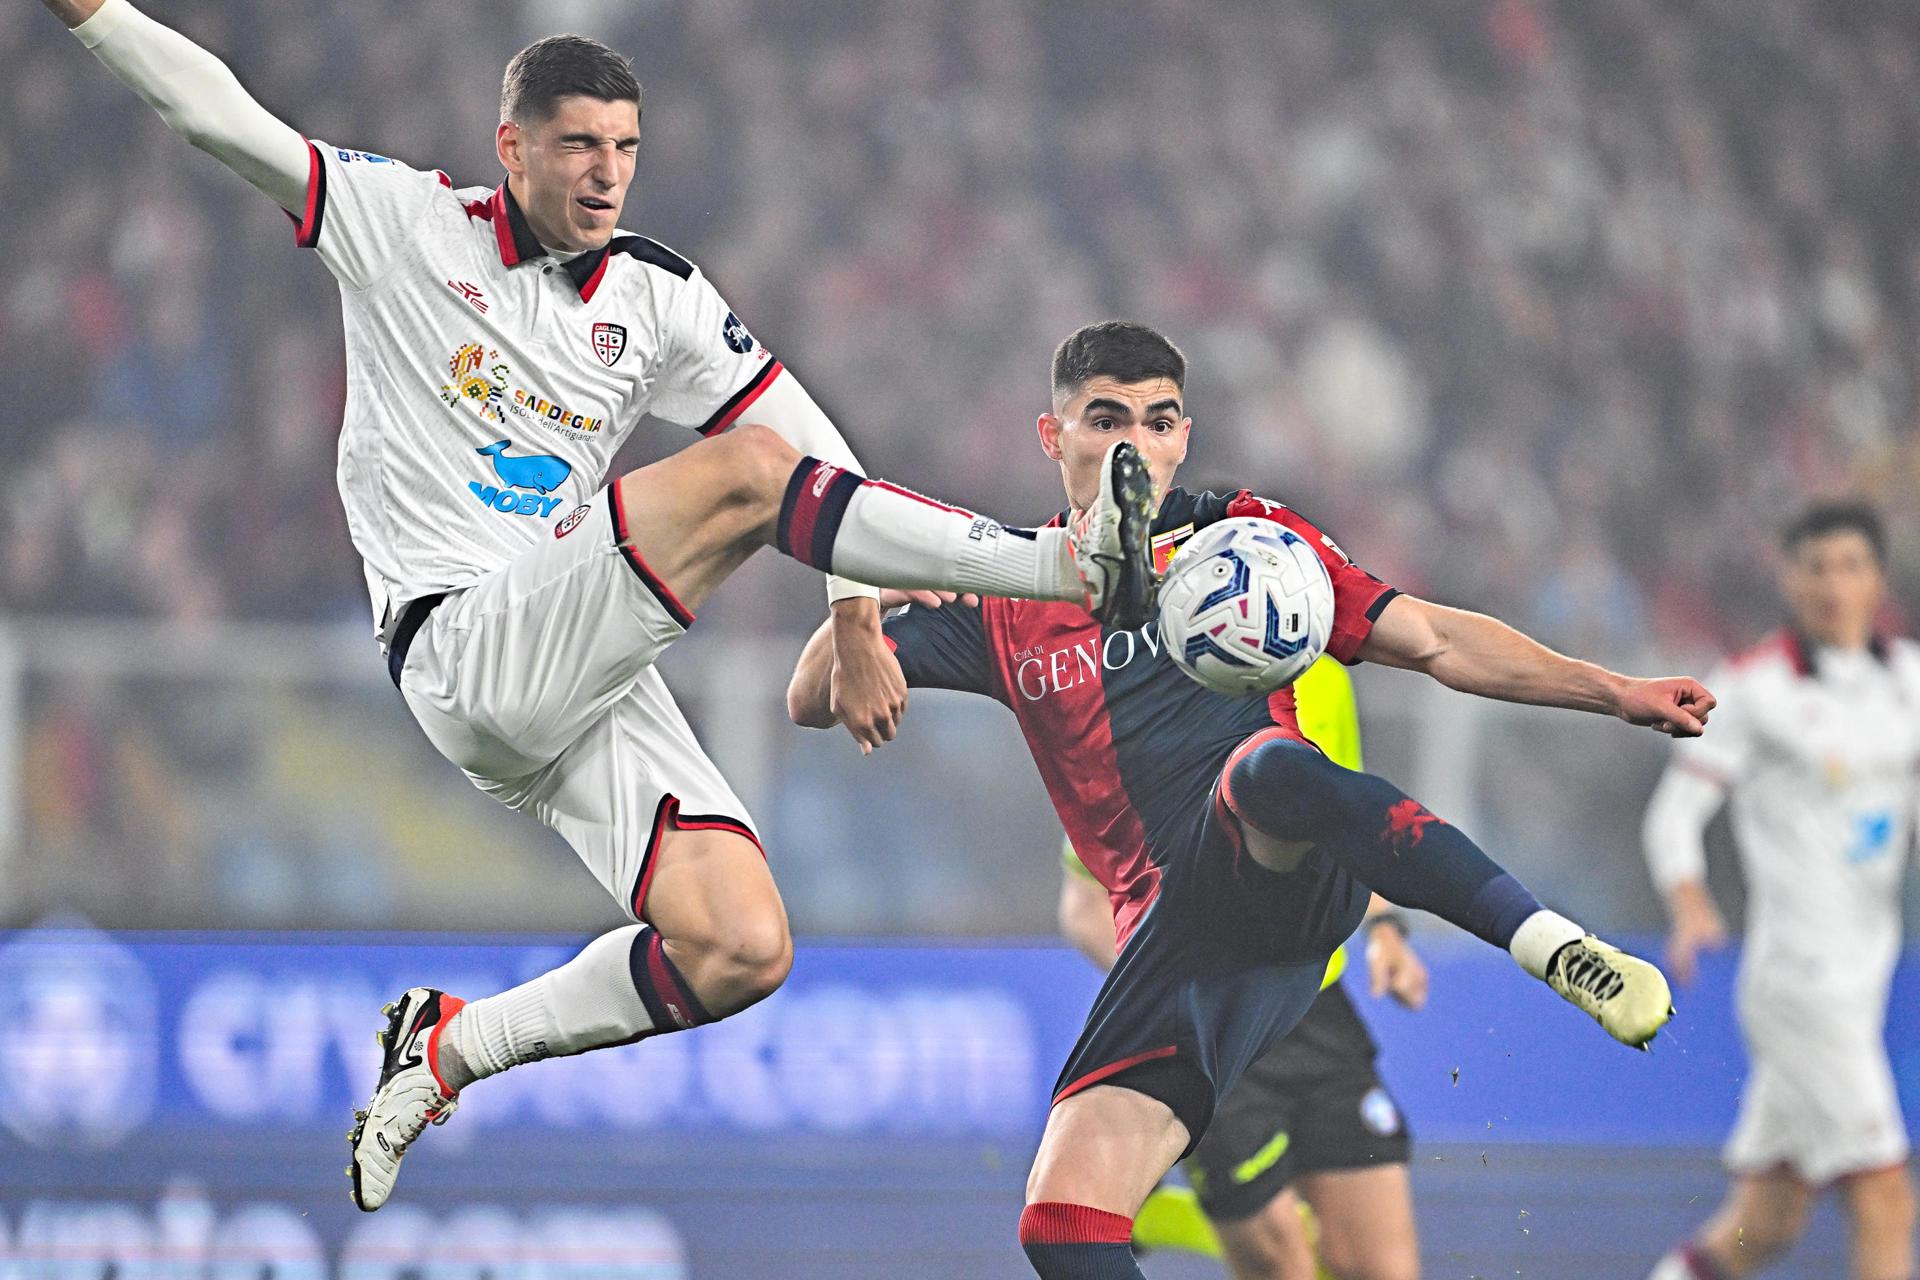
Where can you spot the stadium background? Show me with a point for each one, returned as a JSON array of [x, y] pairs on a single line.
[[1546, 309]]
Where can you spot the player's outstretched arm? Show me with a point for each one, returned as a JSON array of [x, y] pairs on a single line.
[[1477, 654], [195, 94], [1673, 834]]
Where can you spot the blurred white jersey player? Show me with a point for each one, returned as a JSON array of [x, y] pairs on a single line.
[[501, 343], [1814, 748]]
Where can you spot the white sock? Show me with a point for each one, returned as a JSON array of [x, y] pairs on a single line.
[[1674, 1266], [1539, 936], [587, 1003], [893, 537]]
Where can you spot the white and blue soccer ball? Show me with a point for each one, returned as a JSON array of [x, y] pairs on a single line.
[[1246, 607]]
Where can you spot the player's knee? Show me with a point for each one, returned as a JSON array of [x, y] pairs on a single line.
[[1284, 788], [753, 959]]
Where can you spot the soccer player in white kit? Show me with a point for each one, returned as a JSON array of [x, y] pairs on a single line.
[[500, 345], [1814, 745]]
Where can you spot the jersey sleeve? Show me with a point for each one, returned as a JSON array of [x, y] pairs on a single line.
[[711, 367], [1358, 596], [1695, 785], [361, 208], [943, 648], [1070, 861]]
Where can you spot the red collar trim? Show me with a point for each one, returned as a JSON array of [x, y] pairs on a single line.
[[518, 244]]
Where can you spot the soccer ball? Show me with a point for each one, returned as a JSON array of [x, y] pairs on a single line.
[[1246, 607]]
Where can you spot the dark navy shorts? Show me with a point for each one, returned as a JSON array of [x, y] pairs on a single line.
[[1226, 960], [1312, 1104]]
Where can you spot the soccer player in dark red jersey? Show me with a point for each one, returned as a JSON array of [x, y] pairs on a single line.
[[1236, 855]]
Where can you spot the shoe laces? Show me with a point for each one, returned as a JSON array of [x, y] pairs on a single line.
[[1585, 970]]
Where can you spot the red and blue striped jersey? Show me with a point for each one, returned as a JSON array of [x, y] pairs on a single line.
[[1127, 745]]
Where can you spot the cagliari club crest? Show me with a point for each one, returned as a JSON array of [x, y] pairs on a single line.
[[609, 342]]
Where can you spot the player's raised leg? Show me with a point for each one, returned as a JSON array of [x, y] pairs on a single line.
[[1290, 798], [1103, 1151], [695, 517]]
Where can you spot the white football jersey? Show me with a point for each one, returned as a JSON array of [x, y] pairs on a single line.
[[1816, 752], [488, 384]]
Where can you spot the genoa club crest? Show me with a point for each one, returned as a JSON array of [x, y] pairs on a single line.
[[609, 342]]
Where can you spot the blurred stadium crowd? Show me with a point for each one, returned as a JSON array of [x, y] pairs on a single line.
[[1544, 308]]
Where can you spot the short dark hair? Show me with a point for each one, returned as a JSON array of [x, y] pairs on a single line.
[[1823, 518], [559, 67], [1118, 349]]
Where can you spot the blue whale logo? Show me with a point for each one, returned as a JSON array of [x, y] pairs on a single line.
[[540, 471]]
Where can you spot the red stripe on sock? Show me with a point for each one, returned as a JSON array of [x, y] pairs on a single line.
[[1052, 1222], [920, 497], [684, 1009], [808, 496]]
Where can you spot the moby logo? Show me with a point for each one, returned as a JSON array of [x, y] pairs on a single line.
[[542, 471]]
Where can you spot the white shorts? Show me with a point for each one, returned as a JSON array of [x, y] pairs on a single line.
[[538, 682], [1820, 1095]]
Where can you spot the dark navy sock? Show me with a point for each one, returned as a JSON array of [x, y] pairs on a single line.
[[1075, 1242], [1381, 837]]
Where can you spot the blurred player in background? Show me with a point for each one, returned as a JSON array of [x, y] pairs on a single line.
[[501, 344], [1235, 855], [1814, 747], [1312, 1115]]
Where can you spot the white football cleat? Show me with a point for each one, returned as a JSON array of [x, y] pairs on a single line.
[[1111, 541], [409, 1097], [1627, 996]]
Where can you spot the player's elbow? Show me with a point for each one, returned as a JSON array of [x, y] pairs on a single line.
[[807, 703]]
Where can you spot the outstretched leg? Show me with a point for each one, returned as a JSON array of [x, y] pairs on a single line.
[[1290, 798], [695, 517], [1281, 788]]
